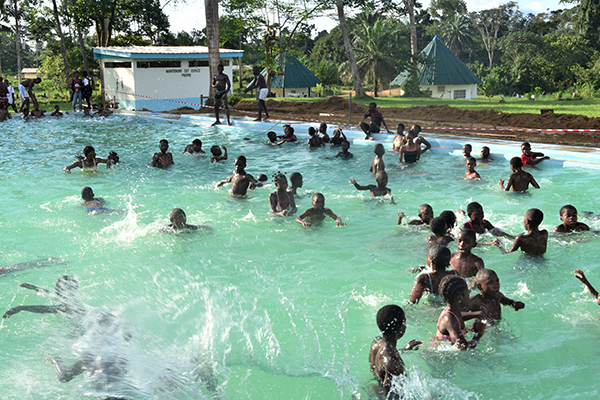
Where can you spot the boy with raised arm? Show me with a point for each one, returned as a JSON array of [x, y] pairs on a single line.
[[376, 121], [217, 154], [317, 213], [519, 180], [162, 159], [377, 190], [490, 299], [240, 180], [384, 357], [568, 215], [425, 216], [464, 262], [534, 242]]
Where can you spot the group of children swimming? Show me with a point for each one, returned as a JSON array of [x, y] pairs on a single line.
[[450, 284]]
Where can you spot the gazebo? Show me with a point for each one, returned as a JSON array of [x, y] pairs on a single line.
[[295, 81], [444, 76]]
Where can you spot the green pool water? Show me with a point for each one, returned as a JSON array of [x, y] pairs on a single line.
[[262, 306]]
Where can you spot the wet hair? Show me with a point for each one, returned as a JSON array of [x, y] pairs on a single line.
[[484, 274], [440, 256], [390, 319], [197, 141], [290, 129], [449, 217], [239, 158], [214, 149], [379, 149], [295, 178], [113, 156], [516, 162], [323, 124], [469, 234], [87, 193], [485, 148], [262, 177], [438, 226], [87, 150], [472, 207], [535, 216], [311, 131], [175, 212], [566, 208], [424, 207], [164, 141], [270, 133], [317, 195], [450, 287]]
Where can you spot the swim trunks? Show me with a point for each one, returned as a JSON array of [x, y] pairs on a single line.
[[219, 95], [262, 94]]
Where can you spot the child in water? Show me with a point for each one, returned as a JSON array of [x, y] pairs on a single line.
[[467, 149], [490, 298], [568, 215], [315, 140], [93, 204], [378, 164], [425, 216], [533, 242], [384, 358], [345, 154], [377, 190], [338, 137], [317, 213], [56, 112], [451, 326], [194, 148], [162, 159], [113, 157], [296, 183], [580, 275], [439, 229], [240, 180], [519, 180], [438, 259], [89, 161], [471, 163], [281, 200], [179, 222], [529, 157], [323, 131], [464, 262], [410, 152], [217, 155], [479, 225], [484, 155], [398, 139], [272, 136]]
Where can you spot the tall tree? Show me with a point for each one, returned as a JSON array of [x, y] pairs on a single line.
[[211, 9], [358, 87], [63, 48], [457, 33]]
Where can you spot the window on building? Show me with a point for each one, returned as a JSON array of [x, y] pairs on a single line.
[[159, 64], [460, 94], [429, 92], [198, 63], [117, 65], [441, 89]]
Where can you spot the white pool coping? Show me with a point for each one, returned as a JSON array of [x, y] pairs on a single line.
[[560, 155]]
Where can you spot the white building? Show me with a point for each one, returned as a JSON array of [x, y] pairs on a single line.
[[159, 78]]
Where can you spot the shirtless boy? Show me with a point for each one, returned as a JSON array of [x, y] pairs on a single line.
[[438, 259], [519, 180], [89, 201], [323, 132], [377, 190], [378, 164], [262, 91], [314, 139], [194, 148], [317, 213], [162, 159], [26, 90], [89, 162], [425, 216], [467, 149], [179, 221], [345, 153], [533, 242], [37, 113], [296, 182], [439, 229], [568, 215], [485, 154], [478, 224], [490, 299], [240, 180], [471, 163], [384, 358], [56, 112], [217, 154], [222, 86], [464, 262]]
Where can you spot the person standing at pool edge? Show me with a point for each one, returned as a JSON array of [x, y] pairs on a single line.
[[26, 90], [222, 86], [262, 91]]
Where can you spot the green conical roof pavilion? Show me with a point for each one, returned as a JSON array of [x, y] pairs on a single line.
[[444, 68], [295, 75]]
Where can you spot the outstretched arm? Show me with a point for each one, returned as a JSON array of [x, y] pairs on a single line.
[[300, 219], [356, 185], [517, 305], [70, 167], [580, 275], [224, 181], [64, 373], [332, 215], [33, 309], [535, 162], [39, 290]]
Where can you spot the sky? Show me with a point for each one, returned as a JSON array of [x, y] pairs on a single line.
[[191, 15]]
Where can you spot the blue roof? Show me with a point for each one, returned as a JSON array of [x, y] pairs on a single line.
[[444, 68]]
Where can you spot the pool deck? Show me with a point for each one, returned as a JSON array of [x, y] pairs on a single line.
[[560, 155]]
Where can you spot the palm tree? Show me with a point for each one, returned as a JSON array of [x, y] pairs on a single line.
[[374, 55], [211, 8], [457, 33]]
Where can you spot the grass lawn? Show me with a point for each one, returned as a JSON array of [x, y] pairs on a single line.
[[589, 107]]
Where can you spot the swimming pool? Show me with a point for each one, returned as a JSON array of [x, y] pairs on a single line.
[[268, 308]]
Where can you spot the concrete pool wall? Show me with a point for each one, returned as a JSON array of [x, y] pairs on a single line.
[[560, 155]]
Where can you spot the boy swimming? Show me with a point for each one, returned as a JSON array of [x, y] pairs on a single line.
[[425, 216], [490, 299], [179, 222], [519, 180], [568, 215], [384, 358], [217, 154], [534, 242], [438, 259], [296, 182], [439, 229], [480, 225], [317, 213], [464, 262], [345, 153], [162, 159], [93, 204], [194, 148], [240, 180], [377, 190], [89, 161], [378, 164], [471, 163]]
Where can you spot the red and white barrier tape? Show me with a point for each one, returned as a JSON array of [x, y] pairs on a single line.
[[351, 125]]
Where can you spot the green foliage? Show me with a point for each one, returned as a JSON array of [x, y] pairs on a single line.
[[411, 88]]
